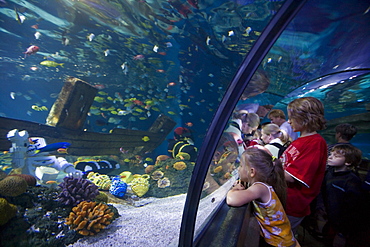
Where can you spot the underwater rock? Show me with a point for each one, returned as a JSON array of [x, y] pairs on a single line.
[[76, 190], [140, 184], [7, 211], [164, 182], [89, 218], [180, 165], [2, 175], [13, 186], [31, 180]]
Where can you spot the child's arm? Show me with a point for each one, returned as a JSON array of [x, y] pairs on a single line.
[[239, 196]]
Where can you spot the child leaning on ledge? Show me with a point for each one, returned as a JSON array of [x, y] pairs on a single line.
[[343, 195], [264, 175]]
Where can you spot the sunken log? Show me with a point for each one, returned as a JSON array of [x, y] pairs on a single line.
[[70, 109], [85, 143]]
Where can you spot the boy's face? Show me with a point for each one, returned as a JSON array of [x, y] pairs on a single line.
[[277, 120], [336, 159]]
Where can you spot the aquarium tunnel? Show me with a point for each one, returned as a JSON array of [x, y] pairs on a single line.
[[95, 92]]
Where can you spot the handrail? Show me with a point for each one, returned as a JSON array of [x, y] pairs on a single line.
[[250, 64]]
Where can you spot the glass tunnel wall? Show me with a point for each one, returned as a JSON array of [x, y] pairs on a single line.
[[312, 57]]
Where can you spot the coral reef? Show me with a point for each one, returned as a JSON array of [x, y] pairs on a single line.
[[180, 165], [149, 168], [157, 175], [217, 169], [7, 211], [183, 156], [164, 182], [76, 190], [118, 187], [161, 158], [31, 180], [89, 218], [13, 186], [101, 180], [102, 197], [2, 174], [140, 184], [126, 176]]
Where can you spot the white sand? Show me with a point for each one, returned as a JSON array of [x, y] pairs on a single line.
[[156, 223]]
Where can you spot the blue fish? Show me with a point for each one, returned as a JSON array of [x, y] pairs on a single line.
[[53, 147]]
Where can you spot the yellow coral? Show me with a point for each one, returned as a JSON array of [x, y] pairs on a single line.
[[7, 211], [179, 165], [89, 218], [217, 169], [140, 184], [183, 156]]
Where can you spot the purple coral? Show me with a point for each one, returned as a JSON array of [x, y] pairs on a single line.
[[76, 190]]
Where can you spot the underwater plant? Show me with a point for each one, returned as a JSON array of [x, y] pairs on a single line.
[[89, 218], [76, 190]]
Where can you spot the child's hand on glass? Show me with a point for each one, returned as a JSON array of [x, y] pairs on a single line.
[[238, 185]]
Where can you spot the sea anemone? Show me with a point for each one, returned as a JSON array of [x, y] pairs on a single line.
[[179, 165], [164, 182], [217, 169], [157, 175], [183, 156]]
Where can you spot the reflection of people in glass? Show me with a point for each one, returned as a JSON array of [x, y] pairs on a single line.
[[182, 146], [223, 163], [267, 190], [257, 85]]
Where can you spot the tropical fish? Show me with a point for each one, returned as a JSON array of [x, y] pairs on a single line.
[[19, 18], [31, 50], [145, 138], [37, 35], [139, 57], [53, 147], [90, 37], [49, 63]]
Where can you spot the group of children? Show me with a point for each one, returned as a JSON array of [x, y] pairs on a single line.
[[282, 189]]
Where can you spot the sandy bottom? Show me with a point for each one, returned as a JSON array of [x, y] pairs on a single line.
[[153, 221]]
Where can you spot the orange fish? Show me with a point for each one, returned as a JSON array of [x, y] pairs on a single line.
[[162, 53], [189, 124], [171, 84], [62, 150], [160, 70], [51, 182]]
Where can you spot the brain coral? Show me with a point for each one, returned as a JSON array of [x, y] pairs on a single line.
[[31, 180], [76, 190], [7, 211], [157, 175], [179, 165], [161, 158], [88, 218], [13, 186]]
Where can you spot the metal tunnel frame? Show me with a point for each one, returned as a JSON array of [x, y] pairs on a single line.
[[248, 67]]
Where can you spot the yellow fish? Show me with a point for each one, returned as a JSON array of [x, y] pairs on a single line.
[[145, 138], [51, 63]]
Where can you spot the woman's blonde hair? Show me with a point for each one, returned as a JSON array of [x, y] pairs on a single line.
[[309, 112], [276, 132]]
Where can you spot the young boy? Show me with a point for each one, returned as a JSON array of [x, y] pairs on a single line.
[[342, 193], [277, 116], [305, 159]]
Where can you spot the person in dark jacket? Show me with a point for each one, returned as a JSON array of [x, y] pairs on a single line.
[[343, 196]]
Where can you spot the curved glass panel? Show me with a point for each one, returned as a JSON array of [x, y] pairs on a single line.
[[142, 60], [312, 57]]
